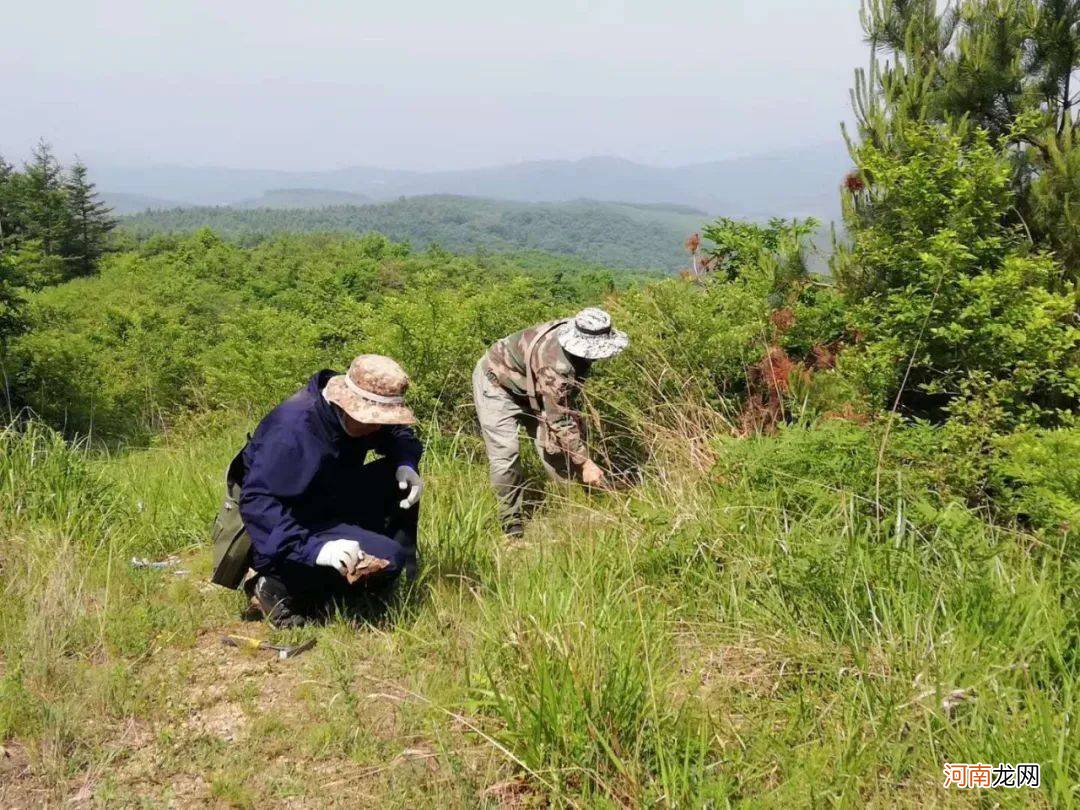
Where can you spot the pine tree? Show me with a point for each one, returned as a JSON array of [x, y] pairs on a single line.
[[986, 63], [1004, 67], [12, 221], [1051, 202], [7, 174], [89, 223], [963, 255], [10, 300], [1052, 56], [43, 200]]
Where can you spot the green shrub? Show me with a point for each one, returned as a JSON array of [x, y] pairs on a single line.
[[953, 305], [688, 344], [1037, 478], [185, 324]]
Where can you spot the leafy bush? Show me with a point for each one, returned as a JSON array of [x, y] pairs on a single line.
[[1037, 479], [190, 323], [1026, 478], [953, 306], [773, 253], [693, 345]]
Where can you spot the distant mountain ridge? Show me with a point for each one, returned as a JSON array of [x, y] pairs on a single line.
[[282, 198], [125, 203], [798, 182]]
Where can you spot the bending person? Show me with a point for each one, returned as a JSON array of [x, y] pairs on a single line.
[[530, 379]]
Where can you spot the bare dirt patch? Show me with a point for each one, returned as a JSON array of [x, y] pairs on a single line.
[[225, 726], [17, 784]]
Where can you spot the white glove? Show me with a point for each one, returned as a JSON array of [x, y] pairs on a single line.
[[344, 555], [409, 479]]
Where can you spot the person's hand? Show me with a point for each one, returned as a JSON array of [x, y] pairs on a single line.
[[344, 555], [591, 474], [409, 479]]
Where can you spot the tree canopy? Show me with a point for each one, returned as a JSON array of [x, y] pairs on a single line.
[[53, 228]]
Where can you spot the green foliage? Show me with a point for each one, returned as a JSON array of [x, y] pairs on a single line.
[[983, 61], [1054, 201], [188, 323], [757, 294], [962, 210], [739, 246], [86, 235], [689, 343], [612, 234], [953, 303], [41, 201], [1037, 479], [1025, 479], [52, 228], [10, 280], [1000, 67], [51, 219], [195, 322], [11, 303]]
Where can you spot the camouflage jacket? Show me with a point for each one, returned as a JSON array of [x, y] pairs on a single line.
[[557, 385]]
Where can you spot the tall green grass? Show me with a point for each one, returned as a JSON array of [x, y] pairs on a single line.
[[759, 633], [74, 615], [763, 625]]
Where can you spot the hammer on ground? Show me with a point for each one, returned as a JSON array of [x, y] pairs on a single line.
[[283, 652]]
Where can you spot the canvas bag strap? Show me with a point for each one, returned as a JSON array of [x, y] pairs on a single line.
[[530, 379]]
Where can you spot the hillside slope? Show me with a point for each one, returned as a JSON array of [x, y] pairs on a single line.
[[830, 609], [613, 234]]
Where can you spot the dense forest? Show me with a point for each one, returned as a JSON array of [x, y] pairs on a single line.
[[614, 234], [839, 551]]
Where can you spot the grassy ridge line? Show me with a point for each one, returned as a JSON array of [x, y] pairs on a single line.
[[612, 234], [756, 630]]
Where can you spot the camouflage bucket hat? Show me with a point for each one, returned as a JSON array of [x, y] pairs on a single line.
[[373, 391], [590, 335]]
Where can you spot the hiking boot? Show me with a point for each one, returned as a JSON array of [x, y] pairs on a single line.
[[270, 598]]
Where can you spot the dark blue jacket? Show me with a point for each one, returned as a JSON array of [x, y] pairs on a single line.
[[301, 471]]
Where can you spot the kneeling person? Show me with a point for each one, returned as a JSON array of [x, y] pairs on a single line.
[[320, 517]]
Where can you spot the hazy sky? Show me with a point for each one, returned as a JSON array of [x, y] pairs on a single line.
[[422, 84]]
